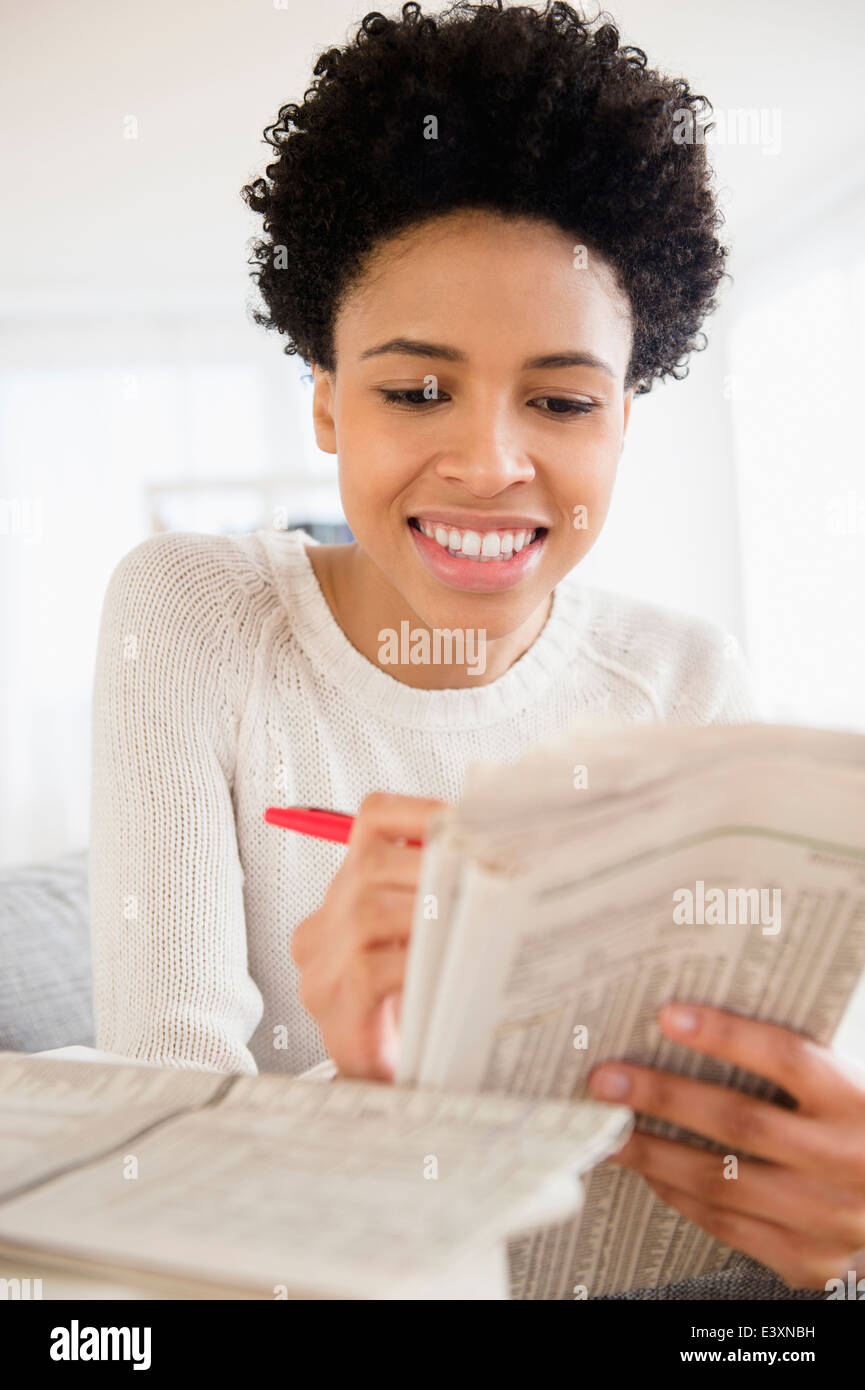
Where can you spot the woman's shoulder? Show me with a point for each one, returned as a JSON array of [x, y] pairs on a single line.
[[190, 611], [179, 592], [193, 563], [688, 667], [191, 575]]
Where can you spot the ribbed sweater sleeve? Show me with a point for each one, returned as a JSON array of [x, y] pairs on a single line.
[[171, 983], [737, 703], [716, 686]]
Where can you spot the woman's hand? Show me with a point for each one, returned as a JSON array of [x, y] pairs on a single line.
[[352, 952], [802, 1211]]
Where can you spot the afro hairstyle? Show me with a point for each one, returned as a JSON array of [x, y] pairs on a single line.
[[538, 115]]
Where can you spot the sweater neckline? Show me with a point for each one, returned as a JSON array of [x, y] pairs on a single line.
[[363, 683]]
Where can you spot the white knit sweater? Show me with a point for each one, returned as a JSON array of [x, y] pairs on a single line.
[[224, 685]]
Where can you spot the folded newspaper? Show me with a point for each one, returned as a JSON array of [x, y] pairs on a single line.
[[571, 894], [202, 1185]]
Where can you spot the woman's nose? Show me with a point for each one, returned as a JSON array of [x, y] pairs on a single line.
[[486, 460]]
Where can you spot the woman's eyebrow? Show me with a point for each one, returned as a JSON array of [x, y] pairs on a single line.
[[413, 347]]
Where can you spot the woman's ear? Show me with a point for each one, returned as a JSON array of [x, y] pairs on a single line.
[[323, 422], [628, 397]]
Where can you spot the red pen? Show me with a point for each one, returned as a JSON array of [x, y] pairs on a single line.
[[311, 820]]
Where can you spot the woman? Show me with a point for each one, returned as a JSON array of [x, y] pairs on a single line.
[[485, 238]]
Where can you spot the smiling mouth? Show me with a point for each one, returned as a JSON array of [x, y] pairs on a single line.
[[483, 547]]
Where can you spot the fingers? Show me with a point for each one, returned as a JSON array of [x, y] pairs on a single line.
[[738, 1121], [805, 1069], [797, 1202], [356, 990], [801, 1264], [358, 1012], [822, 1136], [375, 917], [371, 1053], [352, 951], [389, 865], [389, 816], [376, 974]]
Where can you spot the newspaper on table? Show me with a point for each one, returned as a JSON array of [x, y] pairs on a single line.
[[572, 894], [272, 1186]]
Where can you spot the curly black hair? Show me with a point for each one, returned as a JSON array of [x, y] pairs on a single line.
[[537, 116]]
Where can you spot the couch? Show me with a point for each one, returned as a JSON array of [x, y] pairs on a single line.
[[46, 994]]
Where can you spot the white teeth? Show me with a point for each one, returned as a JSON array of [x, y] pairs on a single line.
[[475, 545]]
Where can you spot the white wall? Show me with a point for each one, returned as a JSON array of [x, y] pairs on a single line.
[[672, 535], [798, 355]]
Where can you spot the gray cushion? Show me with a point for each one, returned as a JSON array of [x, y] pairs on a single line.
[[46, 994], [745, 1280]]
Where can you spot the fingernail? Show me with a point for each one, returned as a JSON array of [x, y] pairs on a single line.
[[610, 1084], [680, 1019]]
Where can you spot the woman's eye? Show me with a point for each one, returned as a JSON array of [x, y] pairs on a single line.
[[402, 397], [416, 397], [571, 407]]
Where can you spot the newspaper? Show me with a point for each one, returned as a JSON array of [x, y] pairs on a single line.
[[267, 1184], [569, 878]]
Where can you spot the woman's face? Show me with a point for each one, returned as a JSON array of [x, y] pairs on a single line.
[[476, 492]]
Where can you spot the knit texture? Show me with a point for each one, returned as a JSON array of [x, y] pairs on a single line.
[[224, 685], [744, 1280]]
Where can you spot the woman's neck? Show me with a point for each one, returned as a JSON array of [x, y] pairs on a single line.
[[364, 603]]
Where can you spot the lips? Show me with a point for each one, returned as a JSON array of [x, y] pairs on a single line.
[[472, 569], [481, 544]]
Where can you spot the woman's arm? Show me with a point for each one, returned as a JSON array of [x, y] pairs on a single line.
[[735, 701], [170, 975]]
